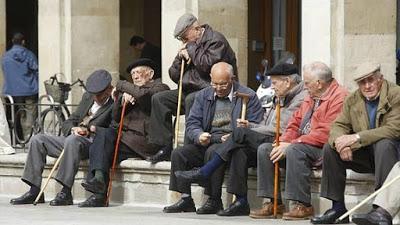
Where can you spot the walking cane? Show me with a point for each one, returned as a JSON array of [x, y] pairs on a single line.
[[121, 123], [386, 185], [48, 178], [276, 166], [178, 109]]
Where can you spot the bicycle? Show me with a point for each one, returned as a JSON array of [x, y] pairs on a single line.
[[50, 120]]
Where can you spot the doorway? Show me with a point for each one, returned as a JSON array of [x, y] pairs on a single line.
[[273, 29]]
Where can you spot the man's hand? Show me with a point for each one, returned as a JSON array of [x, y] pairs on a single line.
[[205, 139], [183, 53], [225, 137], [345, 141], [242, 123], [128, 98], [278, 152], [346, 154], [80, 131]]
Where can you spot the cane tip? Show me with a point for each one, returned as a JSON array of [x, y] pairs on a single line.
[[35, 203]]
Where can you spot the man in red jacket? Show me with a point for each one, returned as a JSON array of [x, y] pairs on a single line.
[[301, 144]]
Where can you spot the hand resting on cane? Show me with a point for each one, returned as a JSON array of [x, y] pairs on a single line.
[[279, 152]]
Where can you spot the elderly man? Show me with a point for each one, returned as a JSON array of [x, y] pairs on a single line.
[[363, 138], [93, 112], [386, 204], [202, 48], [137, 96], [301, 144], [240, 149], [211, 120]]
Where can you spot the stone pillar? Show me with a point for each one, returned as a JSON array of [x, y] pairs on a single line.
[[362, 30], [315, 31], [78, 37], [2, 37]]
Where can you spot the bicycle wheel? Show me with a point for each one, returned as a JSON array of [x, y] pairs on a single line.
[[22, 130], [51, 121]]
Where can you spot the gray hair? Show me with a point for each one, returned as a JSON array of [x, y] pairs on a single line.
[[228, 68], [319, 70], [295, 78]]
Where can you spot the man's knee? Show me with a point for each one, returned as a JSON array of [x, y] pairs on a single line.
[[264, 150], [293, 153], [385, 148]]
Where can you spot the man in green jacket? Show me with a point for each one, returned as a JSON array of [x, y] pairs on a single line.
[[363, 138]]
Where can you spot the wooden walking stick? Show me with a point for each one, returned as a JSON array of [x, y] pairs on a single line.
[[178, 109], [121, 124], [384, 186], [48, 178], [276, 166]]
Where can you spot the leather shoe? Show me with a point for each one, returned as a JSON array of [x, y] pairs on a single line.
[[211, 206], [330, 217], [299, 212], [93, 185], [62, 198], [183, 205], [93, 201], [236, 209], [267, 211], [27, 198], [378, 216], [192, 176], [164, 154]]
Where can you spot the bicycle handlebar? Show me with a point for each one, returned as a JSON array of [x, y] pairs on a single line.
[[54, 78]]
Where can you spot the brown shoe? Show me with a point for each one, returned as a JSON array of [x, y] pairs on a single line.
[[299, 212], [267, 211]]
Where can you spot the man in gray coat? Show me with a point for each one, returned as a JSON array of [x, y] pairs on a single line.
[[93, 111]]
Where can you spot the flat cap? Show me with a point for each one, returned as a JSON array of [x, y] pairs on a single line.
[[283, 69], [98, 81], [143, 62], [185, 21], [365, 70]]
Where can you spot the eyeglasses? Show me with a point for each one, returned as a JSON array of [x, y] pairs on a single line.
[[220, 85]]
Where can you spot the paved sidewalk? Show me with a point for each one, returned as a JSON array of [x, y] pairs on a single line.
[[44, 214]]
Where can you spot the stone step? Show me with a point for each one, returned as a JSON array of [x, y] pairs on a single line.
[[142, 183]]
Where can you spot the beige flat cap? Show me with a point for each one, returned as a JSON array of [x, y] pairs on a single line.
[[365, 70]]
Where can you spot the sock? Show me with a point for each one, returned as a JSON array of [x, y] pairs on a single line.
[[211, 166], [34, 190], [184, 195], [66, 189], [241, 198], [99, 175], [339, 206], [279, 201]]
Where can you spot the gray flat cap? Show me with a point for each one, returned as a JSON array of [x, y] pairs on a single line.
[[365, 70], [98, 81], [185, 21]]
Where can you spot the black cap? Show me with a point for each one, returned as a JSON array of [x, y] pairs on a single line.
[[283, 69], [98, 81], [143, 62]]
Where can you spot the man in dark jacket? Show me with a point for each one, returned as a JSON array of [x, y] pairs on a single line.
[[93, 112], [202, 48], [148, 51], [240, 149], [133, 143], [211, 120]]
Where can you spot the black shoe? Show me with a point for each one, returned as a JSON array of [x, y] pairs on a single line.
[[164, 154], [95, 186], [378, 216], [27, 198], [236, 209], [211, 206], [330, 217], [62, 198], [93, 201], [183, 205], [192, 176]]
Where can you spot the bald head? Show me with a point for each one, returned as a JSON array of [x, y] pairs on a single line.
[[221, 78]]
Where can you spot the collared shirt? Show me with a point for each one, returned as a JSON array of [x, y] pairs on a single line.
[[230, 95]]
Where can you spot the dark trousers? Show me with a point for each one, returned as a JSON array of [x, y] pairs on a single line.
[[377, 158], [101, 152], [240, 153], [163, 106], [298, 164]]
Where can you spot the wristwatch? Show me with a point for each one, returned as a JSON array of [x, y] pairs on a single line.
[[358, 137]]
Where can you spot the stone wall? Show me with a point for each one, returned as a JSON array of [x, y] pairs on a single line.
[[2, 37]]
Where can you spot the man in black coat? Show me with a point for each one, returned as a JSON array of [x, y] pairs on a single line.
[[94, 111], [202, 48]]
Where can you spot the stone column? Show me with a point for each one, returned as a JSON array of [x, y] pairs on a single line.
[[2, 37], [362, 30], [78, 37]]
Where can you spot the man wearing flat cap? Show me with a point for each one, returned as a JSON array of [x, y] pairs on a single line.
[[137, 96], [93, 112], [239, 151], [363, 138], [202, 48]]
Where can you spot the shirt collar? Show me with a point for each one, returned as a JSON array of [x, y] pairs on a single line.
[[230, 96]]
